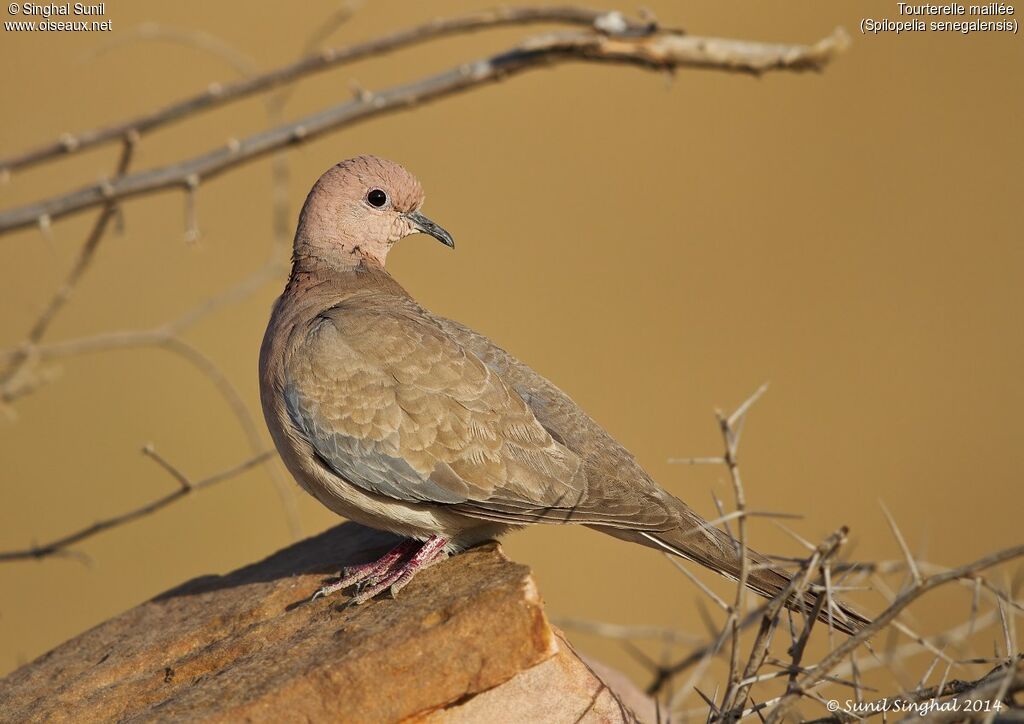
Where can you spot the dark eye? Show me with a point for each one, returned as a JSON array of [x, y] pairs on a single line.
[[376, 198]]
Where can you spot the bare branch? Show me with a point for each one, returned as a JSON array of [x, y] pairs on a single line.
[[148, 32], [166, 337], [718, 600], [660, 50], [954, 636], [981, 688], [150, 451], [186, 486], [23, 357], [804, 679], [731, 427], [768, 609], [883, 619], [218, 94], [820, 557], [714, 460]]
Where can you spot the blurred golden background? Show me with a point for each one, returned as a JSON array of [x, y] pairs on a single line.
[[657, 247]]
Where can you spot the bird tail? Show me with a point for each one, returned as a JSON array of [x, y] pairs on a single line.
[[702, 543]]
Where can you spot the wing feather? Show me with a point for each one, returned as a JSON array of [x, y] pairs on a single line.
[[391, 403]]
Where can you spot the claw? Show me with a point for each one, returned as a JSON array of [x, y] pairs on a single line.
[[372, 572], [327, 590], [392, 571]]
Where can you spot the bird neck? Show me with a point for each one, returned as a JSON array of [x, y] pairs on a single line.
[[337, 254], [339, 276]]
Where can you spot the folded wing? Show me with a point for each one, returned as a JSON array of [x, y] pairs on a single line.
[[393, 403]]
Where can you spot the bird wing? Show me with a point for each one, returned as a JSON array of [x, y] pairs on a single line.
[[393, 403], [616, 483]]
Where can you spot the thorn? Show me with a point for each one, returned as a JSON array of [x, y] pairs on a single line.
[[119, 220], [746, 405], [697, 461], [191, 215], [46, 227], [69, 142], [648, 16], [721, 512], [1007, 638], [106, 188], [361, 94], [700, 584], [612, 23], [911, 563], [796, 536], [974, 606]]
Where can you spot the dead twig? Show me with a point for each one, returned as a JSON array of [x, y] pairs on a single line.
[[218, 94], [977, 688], [659, 50], [829, 662], [770, 608], [13, 376], [185, 487], [23, 375], [731, 428], [816, 574]]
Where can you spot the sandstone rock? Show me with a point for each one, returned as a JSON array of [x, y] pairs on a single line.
[[563, 688], [466, 641]]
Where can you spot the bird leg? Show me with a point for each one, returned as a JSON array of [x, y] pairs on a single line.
[[352, 575], [394, 569], [397, 576]]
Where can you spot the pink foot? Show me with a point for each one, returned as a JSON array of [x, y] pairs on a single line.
[[392, 570], [399, 575], [352, 575]]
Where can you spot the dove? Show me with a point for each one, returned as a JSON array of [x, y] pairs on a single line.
[[405, 421]]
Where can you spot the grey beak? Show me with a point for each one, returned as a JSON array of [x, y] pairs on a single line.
[[427, 226]]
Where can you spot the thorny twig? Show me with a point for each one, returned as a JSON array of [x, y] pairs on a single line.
[[883, 619], [830, 669], [955, 687], [841, 661], [731, 428]]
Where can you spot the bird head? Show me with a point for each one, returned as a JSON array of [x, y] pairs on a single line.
[[358, 209]]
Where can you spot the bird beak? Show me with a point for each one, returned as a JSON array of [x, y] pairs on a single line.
[[422, 223]]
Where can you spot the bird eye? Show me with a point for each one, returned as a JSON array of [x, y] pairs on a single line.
[[376, 198]]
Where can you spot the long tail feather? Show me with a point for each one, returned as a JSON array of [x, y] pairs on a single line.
[[712, 548]]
